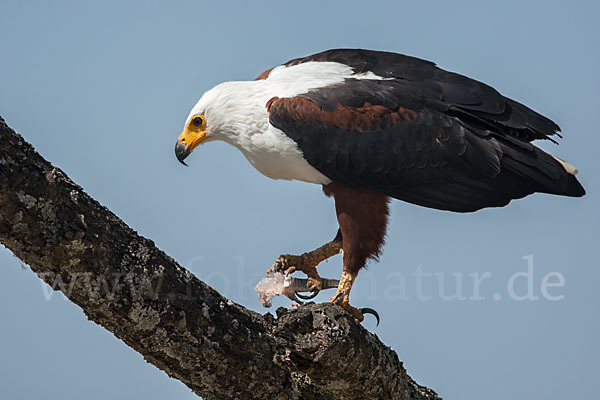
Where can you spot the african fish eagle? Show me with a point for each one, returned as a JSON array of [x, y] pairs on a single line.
[[371, 125]]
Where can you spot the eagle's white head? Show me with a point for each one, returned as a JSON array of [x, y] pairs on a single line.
[[229, 112], [236, 113]]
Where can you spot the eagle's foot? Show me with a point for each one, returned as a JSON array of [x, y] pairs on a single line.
[[307, 263], [291, 263], [343, 302], [314, 284], [358, 313], [341, 298]]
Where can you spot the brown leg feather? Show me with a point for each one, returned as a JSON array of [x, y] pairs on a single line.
[[362, 215]]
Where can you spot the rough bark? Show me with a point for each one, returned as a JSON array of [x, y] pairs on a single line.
[[219, 349]]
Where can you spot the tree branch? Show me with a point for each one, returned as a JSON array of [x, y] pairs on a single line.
[[217, 348]]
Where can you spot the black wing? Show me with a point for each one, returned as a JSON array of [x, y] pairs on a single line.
[[423, 135]]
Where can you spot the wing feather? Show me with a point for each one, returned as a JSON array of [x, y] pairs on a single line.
[[423, 135]]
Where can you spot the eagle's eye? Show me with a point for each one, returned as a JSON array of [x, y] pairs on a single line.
[[197, 121]]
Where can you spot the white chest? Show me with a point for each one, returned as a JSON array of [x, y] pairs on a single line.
[[277, 156]]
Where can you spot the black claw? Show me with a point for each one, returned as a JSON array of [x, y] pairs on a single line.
[[293, 297], [340, 295], [277, 267], [312, 295], [367, 310]]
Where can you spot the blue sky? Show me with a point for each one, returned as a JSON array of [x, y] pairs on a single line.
[[102, 89]]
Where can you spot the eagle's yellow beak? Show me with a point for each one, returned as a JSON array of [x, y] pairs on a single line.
[[193, 134]]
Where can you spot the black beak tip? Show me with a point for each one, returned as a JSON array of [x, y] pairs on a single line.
[[181, 152]]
